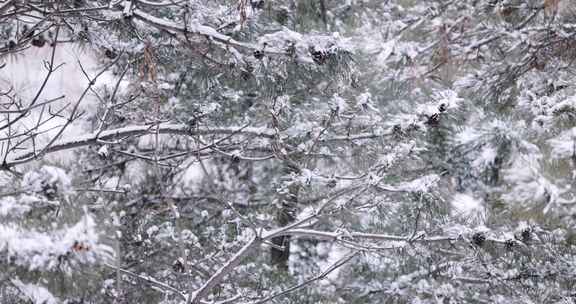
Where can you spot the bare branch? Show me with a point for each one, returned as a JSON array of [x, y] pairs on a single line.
[[110, 135], [196, 296]]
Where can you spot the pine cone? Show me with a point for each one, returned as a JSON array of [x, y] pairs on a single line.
[[258, 54], [38, 41], [478, 239]]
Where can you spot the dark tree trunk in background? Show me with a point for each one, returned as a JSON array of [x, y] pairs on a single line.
[[280, 256], [323, 13], [280, 253]]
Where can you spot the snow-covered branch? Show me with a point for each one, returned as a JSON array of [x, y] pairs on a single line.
[[329, 236], [47, 251], [125, 132], [197, 295]]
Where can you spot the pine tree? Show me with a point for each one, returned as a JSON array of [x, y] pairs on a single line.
[[288, 152]]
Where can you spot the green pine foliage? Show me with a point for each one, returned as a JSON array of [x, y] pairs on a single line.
[[264, 151]]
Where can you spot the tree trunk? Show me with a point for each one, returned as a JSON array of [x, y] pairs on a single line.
[[280, 252]]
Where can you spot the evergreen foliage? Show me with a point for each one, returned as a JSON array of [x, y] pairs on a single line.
[[301, 151]]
